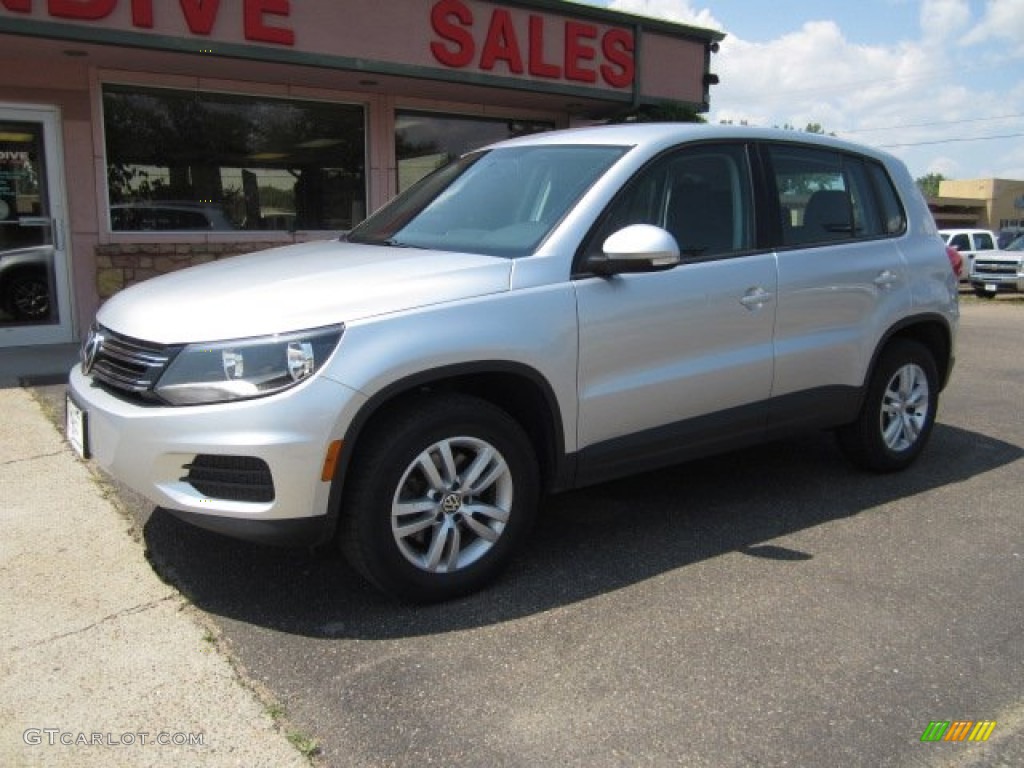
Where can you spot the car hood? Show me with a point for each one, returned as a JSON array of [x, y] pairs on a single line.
[[295, 288]]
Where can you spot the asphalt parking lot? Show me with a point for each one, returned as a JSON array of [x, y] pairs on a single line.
[[771, 607]]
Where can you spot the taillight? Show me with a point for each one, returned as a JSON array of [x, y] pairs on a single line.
[[956, 261]]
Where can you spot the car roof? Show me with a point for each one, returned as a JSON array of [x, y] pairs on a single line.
[[663, 135]]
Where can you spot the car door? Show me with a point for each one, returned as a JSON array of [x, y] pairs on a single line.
[[842, 279], [673, 363]]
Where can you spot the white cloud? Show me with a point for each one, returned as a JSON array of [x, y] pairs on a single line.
[[1004, 21], [943, 20], [816, 75]]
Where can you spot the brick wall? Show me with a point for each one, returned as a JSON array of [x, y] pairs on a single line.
[[120, 265]]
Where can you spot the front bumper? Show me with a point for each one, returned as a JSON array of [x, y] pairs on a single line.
[[266, 455], [998, 283]]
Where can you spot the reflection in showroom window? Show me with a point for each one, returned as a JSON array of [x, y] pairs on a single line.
[[424, 141], [192, 162], [27, 279]]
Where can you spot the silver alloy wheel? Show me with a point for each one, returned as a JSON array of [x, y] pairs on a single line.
[[452, 504], [905, 406]]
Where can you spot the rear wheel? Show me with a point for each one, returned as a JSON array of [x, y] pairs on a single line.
[[898, 412], [441, 494]]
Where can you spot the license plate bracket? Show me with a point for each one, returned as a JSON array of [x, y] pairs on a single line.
[[76, 427]]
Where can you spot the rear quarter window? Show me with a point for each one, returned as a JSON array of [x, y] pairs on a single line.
[[894, 218]]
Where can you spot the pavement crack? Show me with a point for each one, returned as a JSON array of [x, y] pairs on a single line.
[[24, 459], [99, 622]]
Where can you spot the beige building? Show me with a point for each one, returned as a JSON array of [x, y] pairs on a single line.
[[994, 204]]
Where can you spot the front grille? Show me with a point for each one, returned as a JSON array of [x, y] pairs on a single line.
[[995, 267], [231, 478], [125, 364]]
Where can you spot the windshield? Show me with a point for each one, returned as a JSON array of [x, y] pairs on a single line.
[[502, 202], [1016, 245]]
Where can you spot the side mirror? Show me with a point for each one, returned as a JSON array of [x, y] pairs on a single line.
[[636, 248]]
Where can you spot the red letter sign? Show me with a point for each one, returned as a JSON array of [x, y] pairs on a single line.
[[441, 20], [576, 51], [539, 67], [142, 13], [257, 30], [618, 50], [82, 9], [200, 15], [501, 43]]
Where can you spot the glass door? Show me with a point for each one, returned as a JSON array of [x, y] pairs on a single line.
[[34, 293]]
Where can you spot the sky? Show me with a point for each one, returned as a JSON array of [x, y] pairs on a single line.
[[939, 83]]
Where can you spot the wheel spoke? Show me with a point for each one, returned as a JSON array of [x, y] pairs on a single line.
[[892, 431], [429, 470], [423, 514], [444, 450], [498, 470], [445, 547], [487, 510], [911, 428], [472, 473], [480, 528]]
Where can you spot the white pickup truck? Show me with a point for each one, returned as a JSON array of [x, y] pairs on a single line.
[[999, 271]]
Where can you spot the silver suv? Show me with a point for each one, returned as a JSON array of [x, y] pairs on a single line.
[[546, 313]]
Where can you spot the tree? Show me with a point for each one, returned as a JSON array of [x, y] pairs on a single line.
[[929, 185], [810, 128], [661, 113]]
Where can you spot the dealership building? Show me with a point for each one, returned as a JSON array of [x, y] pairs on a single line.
[[138, 137]]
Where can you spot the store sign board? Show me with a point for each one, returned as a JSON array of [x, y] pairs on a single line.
[[541, 46], [263, 21]]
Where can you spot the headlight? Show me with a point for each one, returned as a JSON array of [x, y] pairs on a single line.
[[246, 368]]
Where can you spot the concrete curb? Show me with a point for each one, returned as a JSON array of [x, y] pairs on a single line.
[[101, 663]]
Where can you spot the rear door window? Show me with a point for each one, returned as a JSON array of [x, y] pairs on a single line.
[[826, 196]]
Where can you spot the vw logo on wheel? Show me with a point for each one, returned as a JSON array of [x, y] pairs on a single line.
[[90, 350], [451, 503]]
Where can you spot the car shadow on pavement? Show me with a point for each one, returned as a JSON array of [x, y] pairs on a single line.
[[586, 543]]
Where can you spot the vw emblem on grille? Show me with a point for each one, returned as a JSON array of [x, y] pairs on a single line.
[[90, 350]]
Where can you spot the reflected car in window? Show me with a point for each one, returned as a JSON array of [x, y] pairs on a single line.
[[168, 217], [26, 290]]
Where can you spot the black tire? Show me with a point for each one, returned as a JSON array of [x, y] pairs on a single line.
[[981, 293], [458, 532], [898, 412]]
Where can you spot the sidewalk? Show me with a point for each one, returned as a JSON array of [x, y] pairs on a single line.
[[101, 663]]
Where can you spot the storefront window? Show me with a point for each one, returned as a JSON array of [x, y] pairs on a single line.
[[425, 141], [187, 161]]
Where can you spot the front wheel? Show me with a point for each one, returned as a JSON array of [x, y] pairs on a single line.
[[898, 412], [440, 495]]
